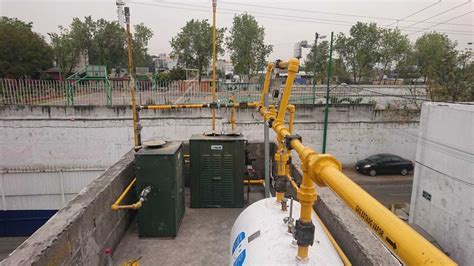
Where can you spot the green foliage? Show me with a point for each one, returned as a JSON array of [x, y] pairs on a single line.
[[108, 45], [360, 49], [192, 47], [162, 77], [177, 74], [448, 72], [22, 51], [394, 47], [431, 50], [102, 42], [141, 37], [248, 51], [316, 61]]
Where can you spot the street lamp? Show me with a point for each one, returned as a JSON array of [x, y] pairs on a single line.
[[316, 37]]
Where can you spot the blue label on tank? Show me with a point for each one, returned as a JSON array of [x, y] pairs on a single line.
[[239, 261], [240, 237]]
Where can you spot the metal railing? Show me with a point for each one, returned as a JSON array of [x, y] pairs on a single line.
[[117, 92]]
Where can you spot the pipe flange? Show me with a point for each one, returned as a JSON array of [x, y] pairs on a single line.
[[319, 162]]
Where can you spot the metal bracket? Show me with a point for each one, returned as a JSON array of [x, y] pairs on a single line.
[[270, 122], [213, 105], [288, 138]]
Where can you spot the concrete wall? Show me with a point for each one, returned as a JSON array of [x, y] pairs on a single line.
[[442, 200], [36, 139], [79, 233]]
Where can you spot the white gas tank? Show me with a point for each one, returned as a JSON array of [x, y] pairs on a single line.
[[260, 237]]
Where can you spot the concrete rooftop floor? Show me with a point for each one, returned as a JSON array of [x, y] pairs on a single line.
[[8, 244], [203, 238]]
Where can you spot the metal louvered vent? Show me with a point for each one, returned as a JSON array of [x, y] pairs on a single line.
[[217, 169]]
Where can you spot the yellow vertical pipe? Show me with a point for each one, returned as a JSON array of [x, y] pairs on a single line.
[[132, 85], [214, 59], [293, 65], [266, 83], [291, 110], [232, 114]]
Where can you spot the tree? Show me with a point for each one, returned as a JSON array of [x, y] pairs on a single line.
[[393, 48], [447, 71], [23, 52], [102, 42], [246, 45], [360, 49], [192, 47], [431, 50], [317, 60], [108, 45], [141, 37], [66, 52]]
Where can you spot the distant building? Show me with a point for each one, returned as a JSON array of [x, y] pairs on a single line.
[[225, 66], [164, 63]]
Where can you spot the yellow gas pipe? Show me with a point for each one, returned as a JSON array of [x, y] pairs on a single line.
[[117, 206], [254, 182], [324, 169], [232, 114], [136, 136], [214, 58]]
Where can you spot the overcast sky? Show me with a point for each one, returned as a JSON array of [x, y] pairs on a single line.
[[285, 22]]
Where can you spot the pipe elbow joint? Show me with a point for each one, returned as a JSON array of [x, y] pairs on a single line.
[[291, 108], [293, 65], [269, 66], [318, 163]]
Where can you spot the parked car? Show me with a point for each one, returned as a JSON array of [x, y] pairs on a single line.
[[384, 163]]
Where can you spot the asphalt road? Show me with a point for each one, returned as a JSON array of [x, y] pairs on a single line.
[[388, 189]]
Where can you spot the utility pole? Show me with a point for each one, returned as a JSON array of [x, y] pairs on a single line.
[[136, 132], [316, 37], [326, 108], [214, 59]]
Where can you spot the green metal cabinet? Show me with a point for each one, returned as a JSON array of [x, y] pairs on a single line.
[[160, 168], [217, 170]]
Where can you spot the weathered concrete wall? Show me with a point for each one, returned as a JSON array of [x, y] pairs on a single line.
[[51, 139], [442, 200], [79, 233], [60, 136]]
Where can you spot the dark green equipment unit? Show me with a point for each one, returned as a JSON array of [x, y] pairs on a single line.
[[217, 170], [161, 168]]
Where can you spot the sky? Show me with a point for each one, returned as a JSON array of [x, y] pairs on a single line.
[[285, 22]]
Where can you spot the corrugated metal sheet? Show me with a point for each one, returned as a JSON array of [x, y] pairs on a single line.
[[38, 190]]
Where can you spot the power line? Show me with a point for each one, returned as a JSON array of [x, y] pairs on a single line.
[[441, 13], [269, 16], [417, 12], [441, 22], [330, 13]]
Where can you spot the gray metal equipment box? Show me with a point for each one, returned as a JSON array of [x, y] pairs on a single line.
[[217, 170], [161, 168]]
